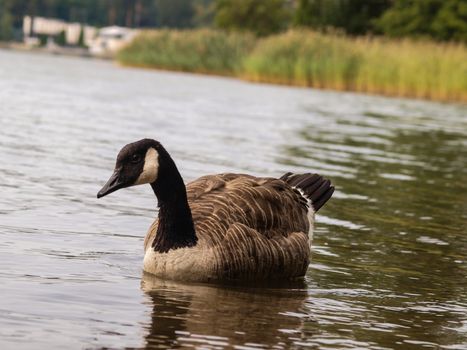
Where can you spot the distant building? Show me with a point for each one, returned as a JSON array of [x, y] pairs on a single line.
[[101, 42], [110, 39], [53, 27]]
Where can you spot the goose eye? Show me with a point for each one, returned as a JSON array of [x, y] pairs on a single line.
[[135, 158]]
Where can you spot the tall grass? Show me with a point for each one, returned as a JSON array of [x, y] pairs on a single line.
[[304, 58], [203, 51], [403, 68], [375, 65]]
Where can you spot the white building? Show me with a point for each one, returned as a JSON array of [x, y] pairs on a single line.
[[111, 39], [53, 27]]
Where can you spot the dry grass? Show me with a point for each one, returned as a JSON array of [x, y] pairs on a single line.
[[405, 68]]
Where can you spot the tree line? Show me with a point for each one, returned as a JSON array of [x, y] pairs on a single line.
[[436, 19]]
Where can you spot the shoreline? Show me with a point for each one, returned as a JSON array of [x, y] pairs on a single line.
[[58, 50], [422, 70], [241, 76]]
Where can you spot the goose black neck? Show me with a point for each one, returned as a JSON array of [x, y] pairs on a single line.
[[175, 228]]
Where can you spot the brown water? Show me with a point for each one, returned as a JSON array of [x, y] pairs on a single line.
[[389, 267]]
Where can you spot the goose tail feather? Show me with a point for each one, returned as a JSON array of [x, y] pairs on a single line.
[[313, 187]]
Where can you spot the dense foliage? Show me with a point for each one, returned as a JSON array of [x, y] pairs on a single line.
[[352, 16], [398, 67], [130, 13], [438, 19], [201, 50], [258, 16]]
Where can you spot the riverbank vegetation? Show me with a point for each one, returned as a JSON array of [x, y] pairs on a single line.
[[441, 20], [412, 48], [201, 51], [396, 67]]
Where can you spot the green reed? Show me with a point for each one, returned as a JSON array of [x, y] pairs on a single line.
[[203, 51], [405, 68]]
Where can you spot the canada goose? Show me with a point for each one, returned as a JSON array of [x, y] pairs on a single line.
[[225, 226]]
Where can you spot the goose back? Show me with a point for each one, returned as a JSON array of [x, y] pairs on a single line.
[[247, 228]]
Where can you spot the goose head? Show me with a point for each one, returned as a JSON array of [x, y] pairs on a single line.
[[137, 163]]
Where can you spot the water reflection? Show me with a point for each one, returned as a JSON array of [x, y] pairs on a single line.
[[190, 314]]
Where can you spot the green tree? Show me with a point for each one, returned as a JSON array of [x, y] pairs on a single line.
[[60, 39], [440, 19], [6, 26], [174, 13], [352, 16], [204, 11], [451, 21], [262, 17], [81, 38]]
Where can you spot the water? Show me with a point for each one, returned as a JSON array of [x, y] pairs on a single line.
[[389, 266]]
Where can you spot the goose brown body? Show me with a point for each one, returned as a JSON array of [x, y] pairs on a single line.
[[248, 228]]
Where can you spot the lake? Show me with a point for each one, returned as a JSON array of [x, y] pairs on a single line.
[[389, 260]]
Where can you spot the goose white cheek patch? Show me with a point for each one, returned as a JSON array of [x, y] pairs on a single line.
[[150, 169]]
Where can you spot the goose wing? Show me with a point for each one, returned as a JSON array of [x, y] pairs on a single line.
[[267, 205], [257, 226]]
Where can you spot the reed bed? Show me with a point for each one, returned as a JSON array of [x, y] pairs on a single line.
[[405, 68], [201, 51]]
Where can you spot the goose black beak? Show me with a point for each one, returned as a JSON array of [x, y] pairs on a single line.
[[112, 185]]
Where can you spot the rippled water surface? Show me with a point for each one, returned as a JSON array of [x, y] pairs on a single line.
[[389, 266]]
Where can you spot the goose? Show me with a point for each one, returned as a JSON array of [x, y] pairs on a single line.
[[224, 227]]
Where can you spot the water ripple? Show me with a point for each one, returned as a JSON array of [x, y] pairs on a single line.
[[388, 267]]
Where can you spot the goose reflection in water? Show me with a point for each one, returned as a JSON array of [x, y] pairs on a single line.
[[187, 315]]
